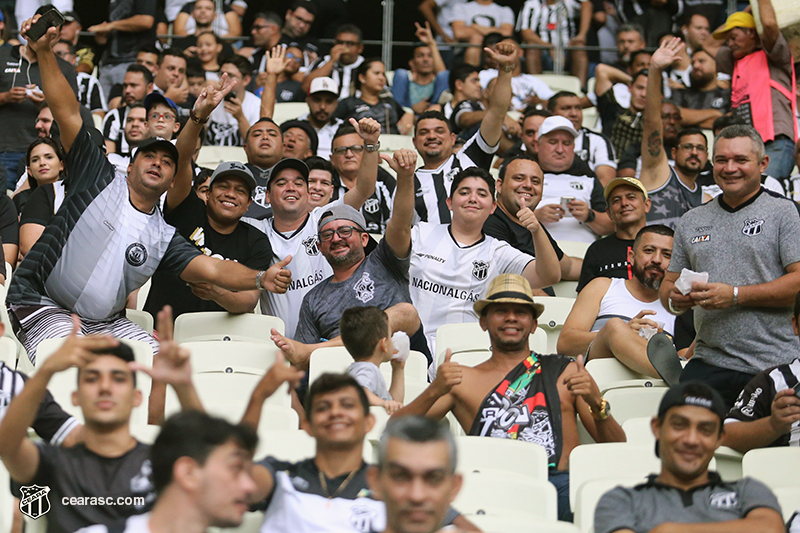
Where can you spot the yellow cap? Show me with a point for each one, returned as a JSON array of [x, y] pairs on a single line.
[[616, 182], [740, 19]]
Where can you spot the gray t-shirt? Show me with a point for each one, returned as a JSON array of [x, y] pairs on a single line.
[[380, 280], [369, 376], [650, 504], [748, 245]]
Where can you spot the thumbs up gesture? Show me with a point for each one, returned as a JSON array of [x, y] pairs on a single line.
[[580, 383], [448, 375]]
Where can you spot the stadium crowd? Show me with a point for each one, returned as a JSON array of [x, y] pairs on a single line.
[[398, 272]]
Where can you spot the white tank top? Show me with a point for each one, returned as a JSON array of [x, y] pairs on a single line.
[[620, 303]]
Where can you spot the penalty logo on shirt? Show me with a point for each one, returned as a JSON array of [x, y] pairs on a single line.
[[480, 269], [136, 254], [33, 502]]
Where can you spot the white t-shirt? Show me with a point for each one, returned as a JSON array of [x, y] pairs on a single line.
[[133, 524], [223, 128], [308, 266], [522, 87], [491, 15], [448, 10], [446, 277], [325, 135], [584, 187]]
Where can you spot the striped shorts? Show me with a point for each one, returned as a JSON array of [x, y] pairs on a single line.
[[34, 323]]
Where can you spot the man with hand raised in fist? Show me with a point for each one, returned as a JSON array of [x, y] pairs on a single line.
[[514, 373]]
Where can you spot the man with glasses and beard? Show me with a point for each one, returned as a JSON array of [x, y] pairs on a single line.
[[609, 312]]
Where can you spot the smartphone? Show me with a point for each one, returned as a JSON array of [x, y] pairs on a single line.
[[230, 96], [565, 200], [51, 19]]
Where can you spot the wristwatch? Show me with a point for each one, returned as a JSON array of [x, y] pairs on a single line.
[[605, 410], [259, 286], [590, 216], [372, 147], [196, 119]]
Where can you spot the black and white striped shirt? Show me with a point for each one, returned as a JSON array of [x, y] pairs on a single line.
[[90, 93], [595, 149], [432, 186], [114, 129], [341, 74]]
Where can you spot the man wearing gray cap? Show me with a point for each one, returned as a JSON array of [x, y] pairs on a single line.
[[572, 206], [688, 430], [379, 279]]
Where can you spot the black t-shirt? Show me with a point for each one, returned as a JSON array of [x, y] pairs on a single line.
[[719, 99], [9, 221], [608, 108], [246, 245], [465, 106], [606, 258], [290, 91], [123, 45], [387, 112], [40, 207], [500, 226]]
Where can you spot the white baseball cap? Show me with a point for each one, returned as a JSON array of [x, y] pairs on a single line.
[[555, 123], [323, 85]]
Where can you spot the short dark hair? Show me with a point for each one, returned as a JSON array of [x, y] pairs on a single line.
[[361, 329], [690, 130], [349, 28], [240, 62], [460, 72], [49, 142], [491, 39], [69, 45], [418, 429], [658, 229], [553, 102], [121, 350], [525, 156], [345, 129], [141, 69], [194, 69], [316, 162], [259, 121], [212, 34], [726, 120], [174, 52], [438, 115], [472, 172], [201, 177], [329, 382], [637, 53], [269, 16], [362, 69], [196, 435], [644, 72], [309, 6], [531, 111]]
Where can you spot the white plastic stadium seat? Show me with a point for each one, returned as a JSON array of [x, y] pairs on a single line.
[[62, 384], [495, 493], [288, 111], [226, 356], [141, 294], [556, 311], [610, 373], [222, 326], [776, 467], [509, 456], [599, 461], [638, 430], [789, 498], [334, 359], [562, 83], [573, 248], [390, 143], [9, 273], [8, 352], [416, 369], [566, 289], [589, 493], [6, 501], [469, 337], [634, 402], [143, 319], [519, 522], [212, 156]]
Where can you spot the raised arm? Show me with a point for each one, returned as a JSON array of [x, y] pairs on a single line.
[[398, 229], [370, 131], [325, 68], [275, 65], [436, 400], [19, 454], [655, 166], [209, 99], [133, 24], [771, 31], [425, 35], [57, 91], [505, 54], [278, 374]]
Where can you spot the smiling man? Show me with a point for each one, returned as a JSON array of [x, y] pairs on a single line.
[[748, 240], [686, 494], [263, 146]]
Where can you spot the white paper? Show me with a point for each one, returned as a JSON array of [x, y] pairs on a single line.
[[402, 346], [687, 278]]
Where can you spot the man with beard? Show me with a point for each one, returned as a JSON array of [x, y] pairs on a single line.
[[138, 83], [609, 312], [322, 100], [514, 374], [673, 191], [705, 100]]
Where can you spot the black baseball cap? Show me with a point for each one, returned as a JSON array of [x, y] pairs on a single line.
[[694, 393], [289, 162], [306, 127], [155, 143]]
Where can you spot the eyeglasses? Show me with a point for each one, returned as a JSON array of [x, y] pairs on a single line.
[[346, 43], [344, 232], [689, 147], [356, 149], [167, 117], [292, 56], [259, 27]]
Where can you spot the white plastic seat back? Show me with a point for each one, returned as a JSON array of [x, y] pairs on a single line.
[[222, 326], [496, 493], [775, 467], [510, 456]]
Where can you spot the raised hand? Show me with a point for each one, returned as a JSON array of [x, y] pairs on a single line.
[[528, 219], [45, 42], [276, 60], [278, 374], [424, 33], [171, 364], [448, 375], [210, 97], [666, 54], [368, 129], [504, 54], [403, 162], [277, 279], [77, 350]]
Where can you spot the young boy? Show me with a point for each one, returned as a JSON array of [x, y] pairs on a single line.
[[365, 333]]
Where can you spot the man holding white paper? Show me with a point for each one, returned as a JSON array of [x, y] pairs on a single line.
[[748, 241]]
